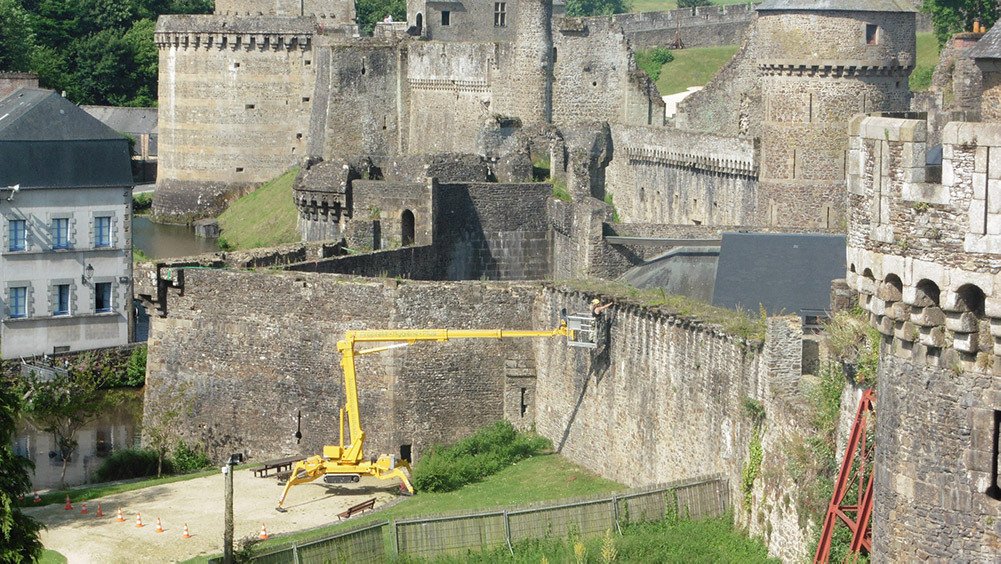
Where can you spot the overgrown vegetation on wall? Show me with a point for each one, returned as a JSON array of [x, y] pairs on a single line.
[[854, 343], [486, 452], [735, 323], [264, 218]]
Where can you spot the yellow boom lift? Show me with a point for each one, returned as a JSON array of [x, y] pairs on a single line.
[[345, 464]]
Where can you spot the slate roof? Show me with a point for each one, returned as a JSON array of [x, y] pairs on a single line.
[[790, 272], [989, 46], [839, 5], [126, 120], [48, 142]]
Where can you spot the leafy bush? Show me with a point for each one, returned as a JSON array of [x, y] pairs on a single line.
[[130, 463], [187, 459], [142, 202], [486, 452], [653, 60]]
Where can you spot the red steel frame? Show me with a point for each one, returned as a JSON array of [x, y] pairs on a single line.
[[860, 449]]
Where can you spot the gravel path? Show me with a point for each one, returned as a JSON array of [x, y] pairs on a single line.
[[199, 503]]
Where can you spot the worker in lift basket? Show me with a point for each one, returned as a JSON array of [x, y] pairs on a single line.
[[597, 307]]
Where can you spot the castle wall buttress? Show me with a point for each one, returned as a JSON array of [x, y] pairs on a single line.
[[234, 107]]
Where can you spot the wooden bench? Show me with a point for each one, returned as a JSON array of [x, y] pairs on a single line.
[[354, 510], [283, 465]]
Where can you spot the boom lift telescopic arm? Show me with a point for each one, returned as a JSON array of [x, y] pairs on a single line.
[[347, 464]]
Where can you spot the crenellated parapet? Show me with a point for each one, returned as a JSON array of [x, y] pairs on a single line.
[[831, 69], [226, 32], [676, 156], [924, 238]]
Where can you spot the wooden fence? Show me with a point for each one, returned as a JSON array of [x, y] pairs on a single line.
[[432, 536]]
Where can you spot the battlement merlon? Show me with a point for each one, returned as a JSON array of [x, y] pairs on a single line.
[[235, 32]]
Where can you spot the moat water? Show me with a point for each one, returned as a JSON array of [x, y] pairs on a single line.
[[115, 429], [161, 240]]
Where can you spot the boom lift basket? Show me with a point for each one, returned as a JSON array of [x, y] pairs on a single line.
[[583, 333]]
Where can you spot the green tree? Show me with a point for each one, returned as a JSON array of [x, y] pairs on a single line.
[[163, 411], [953, 16], [369, 12], [18, 533], [16, 37], [693, 3], [578, 8], [62, 406]]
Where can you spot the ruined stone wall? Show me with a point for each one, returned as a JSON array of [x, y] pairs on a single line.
[[380, 206], [663, 175], [704, 26], [469, 20], [252, 361], [483, 235], [359, 100], [450, 89], [416, 262], [664, 397], [234, 105], [595, 77]]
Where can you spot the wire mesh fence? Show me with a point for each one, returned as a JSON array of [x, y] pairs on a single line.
[[432, 536]]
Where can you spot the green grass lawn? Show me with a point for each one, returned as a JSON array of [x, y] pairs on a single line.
[[692, 67], [51, 557], [264, 218], [926, 59], [663, 5]]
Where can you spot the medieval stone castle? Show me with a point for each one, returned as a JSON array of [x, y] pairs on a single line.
[[418, 144]]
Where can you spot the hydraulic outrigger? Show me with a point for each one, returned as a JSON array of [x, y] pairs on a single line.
[[340, 464]]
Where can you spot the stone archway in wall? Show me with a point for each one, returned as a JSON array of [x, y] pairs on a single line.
[[407, 228]]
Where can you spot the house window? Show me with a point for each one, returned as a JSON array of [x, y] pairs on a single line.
[[17, 234], [500, 14], [102, 296], [446, 17], [62, 300], [870, 34], [60, 233], [102, 231], [19, 301]]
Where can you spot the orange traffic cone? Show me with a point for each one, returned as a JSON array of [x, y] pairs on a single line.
[[121, 518], [139, 520], [68, 506], [186, 535], [264, 533], [99, 512], [37, 498], [159, 526], [84, 510]]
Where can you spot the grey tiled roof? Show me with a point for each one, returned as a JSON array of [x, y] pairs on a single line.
[[989, 46], [126, 120], [48, 142], [778, 271], [839, 5]]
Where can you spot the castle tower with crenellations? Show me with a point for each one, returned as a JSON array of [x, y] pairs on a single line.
[[821, 62], [529, 78]]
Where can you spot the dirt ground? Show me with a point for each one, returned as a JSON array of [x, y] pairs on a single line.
[[199, 503]]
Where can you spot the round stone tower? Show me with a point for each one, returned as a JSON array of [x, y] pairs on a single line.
[[530, 76], [820, 63]]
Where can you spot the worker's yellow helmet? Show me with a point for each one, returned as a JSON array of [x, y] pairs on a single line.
[[595, 301]]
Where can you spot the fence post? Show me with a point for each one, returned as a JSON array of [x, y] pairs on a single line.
[[295, 553], [507, 533], [393, 540], [615, 513]]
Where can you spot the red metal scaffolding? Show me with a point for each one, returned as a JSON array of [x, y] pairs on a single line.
[[855, 478]]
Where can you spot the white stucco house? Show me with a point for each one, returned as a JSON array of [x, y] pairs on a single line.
[[66, 212]]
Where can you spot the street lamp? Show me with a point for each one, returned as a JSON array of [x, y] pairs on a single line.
[[88, 274], [227, 533]]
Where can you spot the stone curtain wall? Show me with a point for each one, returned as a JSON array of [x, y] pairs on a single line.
[[451, 90], [663, 175], [379, 206], [933, 464], [330, 12], [358, 106], [704, 26], [251, 361], [483, 234], [234, 107], [664, 400]]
